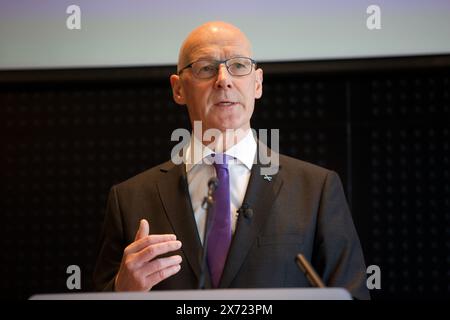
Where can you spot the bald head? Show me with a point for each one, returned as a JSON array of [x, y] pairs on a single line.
[[224, 100], [202, 41]]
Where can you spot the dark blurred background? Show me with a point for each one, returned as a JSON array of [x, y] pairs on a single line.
[[67, 136]]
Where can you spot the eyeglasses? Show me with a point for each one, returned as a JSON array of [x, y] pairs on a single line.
[[205, 69]]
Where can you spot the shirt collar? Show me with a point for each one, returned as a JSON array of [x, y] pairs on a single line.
[[244, 151]]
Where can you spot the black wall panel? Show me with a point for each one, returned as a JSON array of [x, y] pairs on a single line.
[[400, 138]]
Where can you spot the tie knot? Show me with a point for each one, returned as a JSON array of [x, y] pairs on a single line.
[[221, 161]]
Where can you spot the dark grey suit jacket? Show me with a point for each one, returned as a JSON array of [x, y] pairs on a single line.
[[302, 210]]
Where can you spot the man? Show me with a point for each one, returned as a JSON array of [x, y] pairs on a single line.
[[300, 209]]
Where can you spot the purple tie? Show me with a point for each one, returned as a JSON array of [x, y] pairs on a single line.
[[219, 239]]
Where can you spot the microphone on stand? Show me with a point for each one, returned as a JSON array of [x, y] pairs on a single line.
[[207, 204], [309, 271]]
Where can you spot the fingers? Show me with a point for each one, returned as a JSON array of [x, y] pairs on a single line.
[[147, 241], [143, 230], [160, 264], [152, 251], [163, 274], [141, 268]]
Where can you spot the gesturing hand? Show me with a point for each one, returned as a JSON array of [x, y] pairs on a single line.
[[141, 269]]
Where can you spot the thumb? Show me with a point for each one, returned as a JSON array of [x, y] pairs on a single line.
[[143, 230]]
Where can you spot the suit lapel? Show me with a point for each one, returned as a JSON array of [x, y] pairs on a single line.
[[260, 196], [174, 193]]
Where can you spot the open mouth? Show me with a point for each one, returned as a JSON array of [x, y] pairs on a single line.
[[226, 103]]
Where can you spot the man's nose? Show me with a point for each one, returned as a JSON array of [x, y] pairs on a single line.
[[223, 80]]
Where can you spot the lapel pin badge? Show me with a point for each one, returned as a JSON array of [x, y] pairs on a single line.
[[268, 178]]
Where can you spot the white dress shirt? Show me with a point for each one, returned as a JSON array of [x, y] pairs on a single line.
[[198, 174]]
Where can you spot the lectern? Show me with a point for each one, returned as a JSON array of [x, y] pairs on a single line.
[[216, 294]]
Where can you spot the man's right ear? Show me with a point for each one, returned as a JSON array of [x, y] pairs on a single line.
[[177, 89]]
